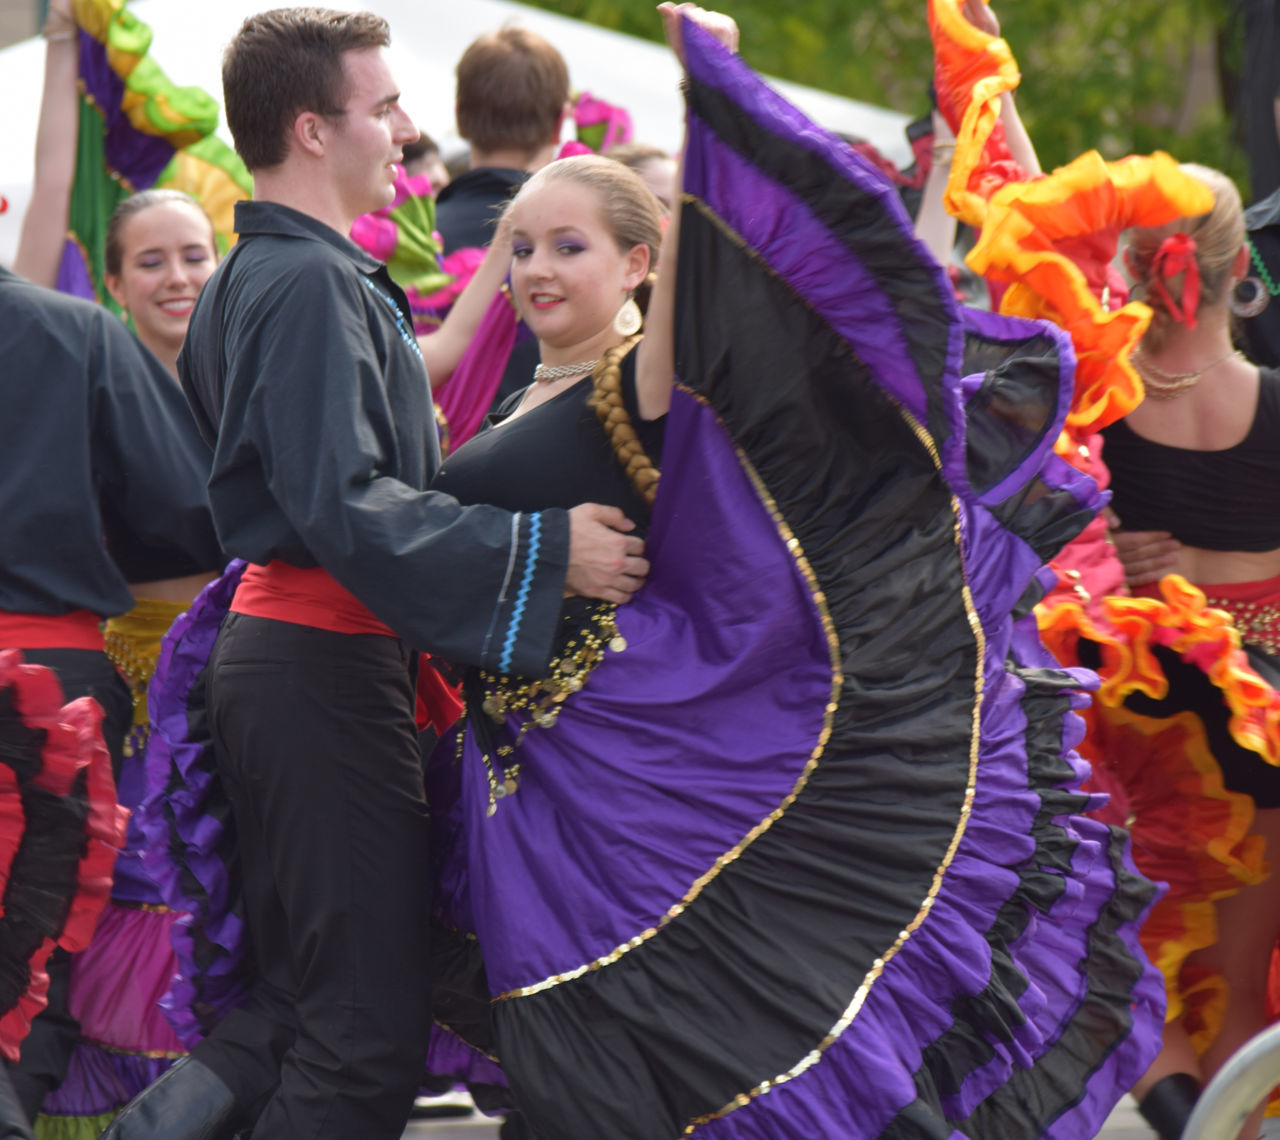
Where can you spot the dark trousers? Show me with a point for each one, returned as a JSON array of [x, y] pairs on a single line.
[[46, 1052], [315, 740]]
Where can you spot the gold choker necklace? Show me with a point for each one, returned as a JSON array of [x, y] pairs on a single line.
[[1161, 385], [549, 372]]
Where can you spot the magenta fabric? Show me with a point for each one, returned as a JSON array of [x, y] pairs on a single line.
[[117, 983], [467, 395]]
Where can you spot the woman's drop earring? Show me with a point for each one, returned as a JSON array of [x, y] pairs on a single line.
[[628, 320]]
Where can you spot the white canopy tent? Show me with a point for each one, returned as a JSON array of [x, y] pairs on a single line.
[[428, 37]]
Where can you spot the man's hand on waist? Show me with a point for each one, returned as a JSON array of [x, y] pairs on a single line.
[[605, 561]]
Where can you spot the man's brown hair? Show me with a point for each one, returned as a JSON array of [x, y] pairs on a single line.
[[284, 62], [512, 87]]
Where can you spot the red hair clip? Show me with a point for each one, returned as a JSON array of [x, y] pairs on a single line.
[[1177, 254]]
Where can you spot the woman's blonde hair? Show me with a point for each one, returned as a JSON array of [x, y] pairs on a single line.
[[1218, 236]]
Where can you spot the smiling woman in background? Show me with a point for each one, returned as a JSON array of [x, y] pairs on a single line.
[[160, 251]]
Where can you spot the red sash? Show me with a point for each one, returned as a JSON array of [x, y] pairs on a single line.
[[77, 630], [303, 597]]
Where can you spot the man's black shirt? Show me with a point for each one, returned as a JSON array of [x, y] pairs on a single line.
[[305, 376], [467, 210], [103, 477]]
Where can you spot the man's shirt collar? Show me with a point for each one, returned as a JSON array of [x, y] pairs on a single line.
[[274, 218]]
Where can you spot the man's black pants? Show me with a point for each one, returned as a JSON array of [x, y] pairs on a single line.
[[315, 740], [46, 1051]]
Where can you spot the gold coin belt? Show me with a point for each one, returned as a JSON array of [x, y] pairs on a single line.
[[136, 666], [541, 701], [1258, 622]]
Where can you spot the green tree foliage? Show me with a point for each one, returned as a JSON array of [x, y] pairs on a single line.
[[1121, 76]]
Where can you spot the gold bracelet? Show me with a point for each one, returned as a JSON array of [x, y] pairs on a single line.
[[70, 34]]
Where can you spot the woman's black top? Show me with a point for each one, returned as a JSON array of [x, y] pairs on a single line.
[[555, 455], [1214, 500]]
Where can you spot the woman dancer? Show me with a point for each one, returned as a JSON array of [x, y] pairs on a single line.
[[1199, 459], [1184, 730], [728, 848]]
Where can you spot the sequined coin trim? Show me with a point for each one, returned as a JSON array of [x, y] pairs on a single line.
[[541, 700], [132, 644], [1257, 622]]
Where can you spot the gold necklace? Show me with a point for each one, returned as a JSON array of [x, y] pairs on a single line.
[[1161, 385], [549, 372]]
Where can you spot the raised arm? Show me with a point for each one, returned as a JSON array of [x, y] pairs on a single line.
[[443, 349], [934, 226], [44, 228], [655, 358], [1020, 146], [980, 15]]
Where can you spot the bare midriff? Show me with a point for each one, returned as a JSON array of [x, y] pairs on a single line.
[[172, 589]]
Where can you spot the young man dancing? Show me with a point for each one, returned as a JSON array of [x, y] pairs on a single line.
[[302, 370]]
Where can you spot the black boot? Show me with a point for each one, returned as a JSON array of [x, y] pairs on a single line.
[[190, 1102], [13, 1120], [1169, 1103]]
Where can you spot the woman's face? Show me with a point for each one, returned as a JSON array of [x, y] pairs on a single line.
[[167, 255], [568, 277]]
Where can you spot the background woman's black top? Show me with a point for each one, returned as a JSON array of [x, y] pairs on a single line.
[[1215, 500]]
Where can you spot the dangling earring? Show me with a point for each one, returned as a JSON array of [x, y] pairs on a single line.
[[1249, 297], [628, 320]]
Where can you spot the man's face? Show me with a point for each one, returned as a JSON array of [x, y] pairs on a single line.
[[369, 137]]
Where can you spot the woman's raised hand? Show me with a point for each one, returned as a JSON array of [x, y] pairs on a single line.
[[721, 27], [61, 18], [63, 10], [981, 17]]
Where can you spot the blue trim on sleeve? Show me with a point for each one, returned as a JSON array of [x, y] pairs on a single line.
[[526, 584], [506, 585]]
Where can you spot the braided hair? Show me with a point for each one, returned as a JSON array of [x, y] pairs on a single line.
[[606, 399]]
